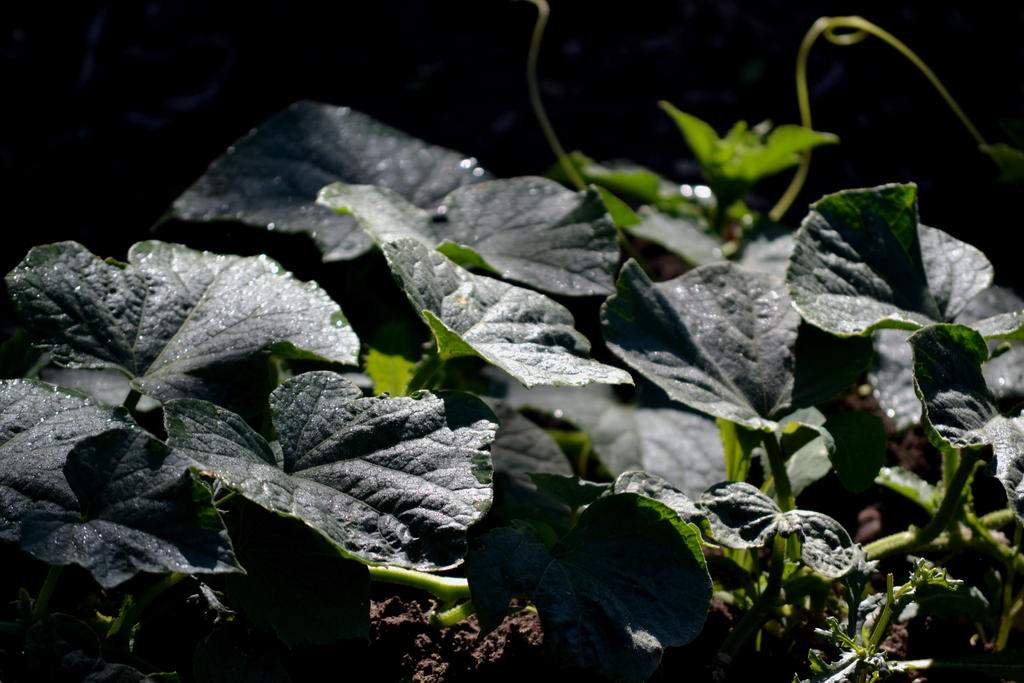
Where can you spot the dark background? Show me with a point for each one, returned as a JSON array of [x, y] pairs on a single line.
[[110, 110]]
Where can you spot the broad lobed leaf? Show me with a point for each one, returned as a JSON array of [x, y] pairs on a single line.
[[178, 322], [270, 178], [386, 480], [526, 334], [529, 230], [594, 611]]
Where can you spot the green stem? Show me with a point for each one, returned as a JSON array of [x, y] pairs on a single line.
[[46, 592], [997, 519], [861, 29], [1009, 606], [777, 462], [225, 498], [424, 372], [882, 625], [453, 615], [444, 588], [951, 503], [135, 611], [534, 89], [751, 621]]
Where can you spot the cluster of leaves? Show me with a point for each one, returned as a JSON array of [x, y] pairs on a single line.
[[204, 417]]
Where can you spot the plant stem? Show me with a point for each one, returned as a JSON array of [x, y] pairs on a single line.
[[951, 502], [452, 615], [424, 372], [997, 519], [132, 400], [538, 107], [777, 462], [1009, 606], [882, 625], [751, 621], [444, 588], [46, 592], [861, 29]]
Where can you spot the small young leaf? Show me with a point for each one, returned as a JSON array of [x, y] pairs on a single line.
[[386, 480], [700, 136], [741, 516], [137, 509], [270, 178], [628, 581], [524, 333], [178, 322]]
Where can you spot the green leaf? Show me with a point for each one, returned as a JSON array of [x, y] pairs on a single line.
[[390, 358], [621, 177], [297, 583], [62, 649], [684, 236], [652, 434], [741, 516], [910, 486], [947, 374], [700, 136], [569, 489], [137, 508], [270, 178], [779, 150], [745, 155], [522, 448], [178, 322], [959, 406], [892, 376], [860, 441], [530, 230], [626, 582], [723, 341], [39, 425], [738, 444], [106, 385], [659, 489], [524, 333], [1010, 161], [386, 480], [862, 262], [766, 248], [621, 213], [233, 653]]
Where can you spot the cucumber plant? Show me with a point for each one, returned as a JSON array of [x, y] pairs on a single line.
[[213, 420]]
